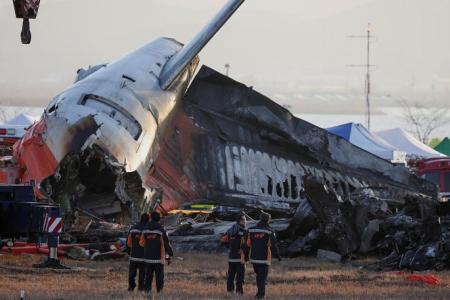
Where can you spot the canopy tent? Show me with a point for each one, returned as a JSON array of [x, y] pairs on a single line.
[[15, 127], [21, 119], [359, 136], [444, 146], [403, 141]]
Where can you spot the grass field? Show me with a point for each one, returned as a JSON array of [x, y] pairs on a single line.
[[202, 276]]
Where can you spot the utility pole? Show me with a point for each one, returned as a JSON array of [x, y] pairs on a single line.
[[368, 37], [368, 77], [227, 69]]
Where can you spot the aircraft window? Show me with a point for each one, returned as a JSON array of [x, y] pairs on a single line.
[[128, 77], [286, 188], [53, 105], [432, 177], [279, 189], [114, 111], [447, 181], [52, 108], [294, 188], [269, 185]]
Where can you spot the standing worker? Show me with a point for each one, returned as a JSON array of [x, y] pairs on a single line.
[[156, 250], [136, 254], [262, 244], [236, 238]]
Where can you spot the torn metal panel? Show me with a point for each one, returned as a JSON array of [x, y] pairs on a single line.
[[304, 244], [333, 217], [367, 236], [329, 256]]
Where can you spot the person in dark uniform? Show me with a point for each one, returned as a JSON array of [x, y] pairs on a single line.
[[156, 250], [236, 239], [136, 254], [262, 244]]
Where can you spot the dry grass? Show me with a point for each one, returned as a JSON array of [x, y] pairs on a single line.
[[202, 276]]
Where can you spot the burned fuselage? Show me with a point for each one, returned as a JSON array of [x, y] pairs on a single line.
[[232, 146]]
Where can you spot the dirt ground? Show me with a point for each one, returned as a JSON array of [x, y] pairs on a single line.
[[202, 276]]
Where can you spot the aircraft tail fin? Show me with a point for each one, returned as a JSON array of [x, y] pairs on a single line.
[[177, 64]]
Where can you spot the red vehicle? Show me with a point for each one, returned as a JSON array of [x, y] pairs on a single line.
[[437, 170], [9, 135]]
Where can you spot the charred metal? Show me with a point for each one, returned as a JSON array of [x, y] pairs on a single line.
[[230, 145]]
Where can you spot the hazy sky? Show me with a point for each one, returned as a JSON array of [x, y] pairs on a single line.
[[302, 8], [273, 45]]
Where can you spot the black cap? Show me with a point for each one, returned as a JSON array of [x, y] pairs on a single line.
[[144, 218], [240, 216], [155, 216], [265, 217]]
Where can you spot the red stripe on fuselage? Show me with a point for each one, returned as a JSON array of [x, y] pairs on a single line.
[[36, 160]]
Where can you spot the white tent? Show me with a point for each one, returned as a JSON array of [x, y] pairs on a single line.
[[359, 136], [402, 140], [16, 126], [21, 119]]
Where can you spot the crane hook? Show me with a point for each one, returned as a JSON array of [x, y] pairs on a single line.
[[25, 35]]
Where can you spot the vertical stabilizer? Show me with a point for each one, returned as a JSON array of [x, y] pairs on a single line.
[[176, 65]]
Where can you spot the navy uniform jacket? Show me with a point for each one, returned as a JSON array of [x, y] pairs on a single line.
[[156, 243], [236, 237], [262, 244], [134, 236]]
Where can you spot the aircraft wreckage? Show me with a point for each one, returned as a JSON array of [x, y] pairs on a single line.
[[137, 134]]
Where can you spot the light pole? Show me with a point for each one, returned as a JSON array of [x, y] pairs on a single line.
[[368, 77], [368, 36]]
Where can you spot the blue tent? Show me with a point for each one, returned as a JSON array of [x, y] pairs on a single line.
[[344, 130], [359, 136]]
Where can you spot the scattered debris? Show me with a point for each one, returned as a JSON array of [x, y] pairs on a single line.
[[192, 236], [425, 278], [329, 256], [95, 251], [428, 278]]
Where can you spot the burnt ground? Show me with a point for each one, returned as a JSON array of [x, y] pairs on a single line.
[[202, 276]]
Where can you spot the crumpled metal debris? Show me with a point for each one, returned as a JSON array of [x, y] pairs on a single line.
[[364, 222], [407, 230], [329, 255], [205, 236], [425, 247]]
